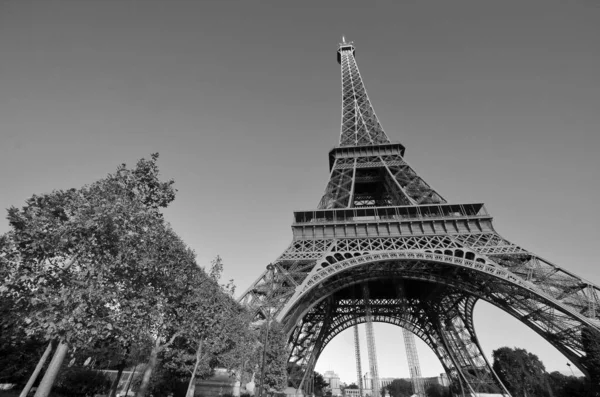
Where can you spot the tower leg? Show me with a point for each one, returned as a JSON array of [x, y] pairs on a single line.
[[358, 366], [371, 345], [411, 348], [413, 363], [304, 370], [456, 328]]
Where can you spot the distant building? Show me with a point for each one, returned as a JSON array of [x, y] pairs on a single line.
[[368, 383], [441, 380], [334, 382], [383, 382], [351, 392]]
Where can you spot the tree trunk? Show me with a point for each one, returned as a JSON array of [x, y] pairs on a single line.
[[147, 371], [36, 371], [52, 371], [192, 389], [192, 385], [115, 385], [130, 380]]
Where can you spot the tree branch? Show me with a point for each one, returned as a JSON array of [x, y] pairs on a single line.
[[170, 342]]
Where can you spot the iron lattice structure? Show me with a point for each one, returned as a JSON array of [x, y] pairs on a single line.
[[358, 364], [413, 363], [411, 350], [380, 224], [371, 350]]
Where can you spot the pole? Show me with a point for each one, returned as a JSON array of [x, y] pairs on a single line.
[[569, 365]]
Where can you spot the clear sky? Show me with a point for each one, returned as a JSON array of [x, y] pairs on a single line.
[[496, 102]]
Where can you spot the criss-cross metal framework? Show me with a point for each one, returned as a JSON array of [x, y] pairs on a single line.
[[358, 363], [380, 225]]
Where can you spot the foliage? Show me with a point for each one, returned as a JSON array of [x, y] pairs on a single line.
[[164, 382], [320, 384], [436, 390], [82, 382], [216, 331], [567, 386], [352, 386], [591, 346], [98, 266], [99, 269], [163, 299], [521, 372], [400, 388], [276, 356], [18, 358], [74, 258]]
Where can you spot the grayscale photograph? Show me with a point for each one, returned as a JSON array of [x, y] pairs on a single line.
[[210, 198]]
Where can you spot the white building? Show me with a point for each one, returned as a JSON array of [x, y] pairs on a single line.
[[334, 382], [383, 382]]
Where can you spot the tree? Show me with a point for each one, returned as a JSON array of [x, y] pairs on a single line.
[[320, 384], [521, 372], [436, 390], [73, 260], [81, 381], [163, 299], [352, 386], [216, 331], [276, 357], [590, 338], [110, 354], [567, 386], [19, 354], [400, 388]]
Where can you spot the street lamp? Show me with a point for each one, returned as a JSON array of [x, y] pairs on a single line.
[[569, 365], [270, 268]]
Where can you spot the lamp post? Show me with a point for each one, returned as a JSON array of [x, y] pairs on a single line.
[[569, 365], [270, 268]]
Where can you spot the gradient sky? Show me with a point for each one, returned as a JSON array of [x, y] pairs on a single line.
[[496, 102]]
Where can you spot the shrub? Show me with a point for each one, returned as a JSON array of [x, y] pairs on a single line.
[[83, 382]]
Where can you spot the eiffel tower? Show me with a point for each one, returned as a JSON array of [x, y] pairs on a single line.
[[384, 246]]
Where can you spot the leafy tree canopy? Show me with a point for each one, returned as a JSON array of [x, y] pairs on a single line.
[[436, 390], [320, 384], [400, 388], [276, 356], [567, 386], [521, 372], [73, 259]]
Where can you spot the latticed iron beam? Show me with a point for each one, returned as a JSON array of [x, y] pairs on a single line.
[[371, 348], [359, 381]]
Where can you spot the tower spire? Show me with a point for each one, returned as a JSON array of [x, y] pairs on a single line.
[[360, 125]]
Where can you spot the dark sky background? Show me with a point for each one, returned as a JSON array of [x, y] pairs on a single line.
[[496, 102]]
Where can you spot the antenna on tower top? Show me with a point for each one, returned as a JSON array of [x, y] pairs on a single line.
[[343, 39]]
